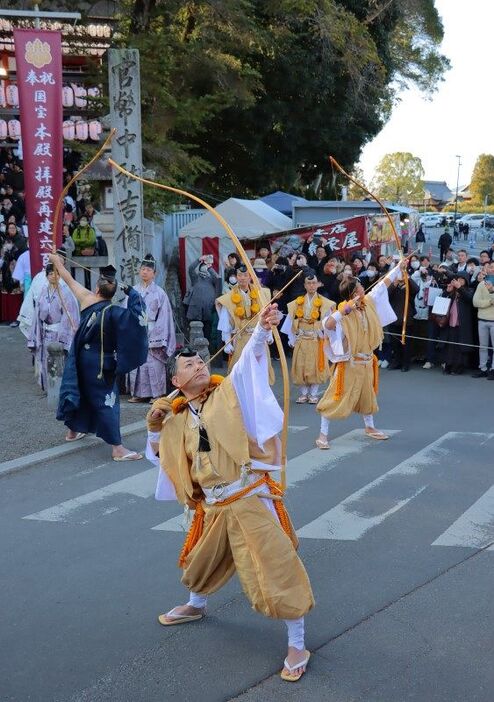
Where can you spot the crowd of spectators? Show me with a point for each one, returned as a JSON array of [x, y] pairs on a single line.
[[449, 341], [81, 236], [13, 233]]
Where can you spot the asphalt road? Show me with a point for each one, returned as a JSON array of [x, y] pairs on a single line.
[[393, 535]]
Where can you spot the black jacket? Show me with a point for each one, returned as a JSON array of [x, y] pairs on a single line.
[[444, 241]]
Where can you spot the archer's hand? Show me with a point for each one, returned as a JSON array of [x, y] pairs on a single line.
[[56, 260], [270, 317]]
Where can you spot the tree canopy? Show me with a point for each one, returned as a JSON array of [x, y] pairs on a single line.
[[243, 96], [482, 184], [399, 178]]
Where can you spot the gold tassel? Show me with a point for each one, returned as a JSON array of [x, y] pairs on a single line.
[[193, 535], [375, 370], [340, 381]]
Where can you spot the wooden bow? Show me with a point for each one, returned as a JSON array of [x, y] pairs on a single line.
[[336, 165], [245, 259]]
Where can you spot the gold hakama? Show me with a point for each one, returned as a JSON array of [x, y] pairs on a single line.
[[243, 536], [363, 332]]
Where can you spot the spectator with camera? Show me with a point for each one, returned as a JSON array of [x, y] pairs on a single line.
[[457, 326], [401, 353], [483, 301], [423, 324]]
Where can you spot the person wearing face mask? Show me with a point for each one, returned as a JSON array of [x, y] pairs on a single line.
[[461, 264], [413, 264], [84, 238], [472, 271], [459, 328], [329, 279], [369, 275], [423, 325]]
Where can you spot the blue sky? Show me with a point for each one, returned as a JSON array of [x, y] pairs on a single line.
[[459, 119]]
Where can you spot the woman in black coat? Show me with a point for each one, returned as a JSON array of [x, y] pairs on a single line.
[[459, 327]]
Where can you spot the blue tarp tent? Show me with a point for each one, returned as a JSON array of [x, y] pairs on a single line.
[[282, 201]]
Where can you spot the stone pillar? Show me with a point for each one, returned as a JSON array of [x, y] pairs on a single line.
[[197, 340], [55, 365], [125, 117]]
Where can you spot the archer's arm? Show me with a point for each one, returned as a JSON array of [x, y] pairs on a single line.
[[79, 290]]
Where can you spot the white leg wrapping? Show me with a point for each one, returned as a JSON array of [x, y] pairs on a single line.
[[324, 426], [369, 421], [296, 633], [313, 390], [198, 601], [304, 390]]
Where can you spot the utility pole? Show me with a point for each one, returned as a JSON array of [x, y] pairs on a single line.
[[457, 185]]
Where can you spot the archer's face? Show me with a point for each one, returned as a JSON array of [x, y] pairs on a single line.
[[192, 375], [311, 286], [243, 279]]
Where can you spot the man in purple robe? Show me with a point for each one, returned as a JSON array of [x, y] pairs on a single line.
[[56, 318], [149, 380]]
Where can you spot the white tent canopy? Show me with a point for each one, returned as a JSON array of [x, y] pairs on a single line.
[[249, 219]]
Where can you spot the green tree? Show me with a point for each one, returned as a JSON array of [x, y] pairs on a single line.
[[243, 96], [482, 185], [399, 178], [354, 192]]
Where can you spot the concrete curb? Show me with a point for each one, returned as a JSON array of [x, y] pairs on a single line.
[[31, 459]]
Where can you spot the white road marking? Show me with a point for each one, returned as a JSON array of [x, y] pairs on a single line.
[[294, 428], [475, 527], [307, 465], [372, 504], [140, 485]]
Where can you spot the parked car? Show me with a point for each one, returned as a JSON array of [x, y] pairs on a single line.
[[474, 221], [436, 220]]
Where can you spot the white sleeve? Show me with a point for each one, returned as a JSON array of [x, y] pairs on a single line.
[[261, 412], [225, 325], [164, 487], [380, 298], [336, 337], [287, 328]]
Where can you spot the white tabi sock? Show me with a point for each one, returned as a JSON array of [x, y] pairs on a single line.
[[197, 601], [304, 390], [324, 426], [313, 390], [296, 633], [369, 421]]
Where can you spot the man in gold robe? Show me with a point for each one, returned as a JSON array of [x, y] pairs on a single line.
[[218, 442], [353, 333], [235, 309], [303, 326]]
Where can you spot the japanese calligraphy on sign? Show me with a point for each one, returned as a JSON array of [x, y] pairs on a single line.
[[39, 78], [343, 236], [125, 113]]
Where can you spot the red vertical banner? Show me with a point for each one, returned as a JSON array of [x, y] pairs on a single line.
[[38, 56]]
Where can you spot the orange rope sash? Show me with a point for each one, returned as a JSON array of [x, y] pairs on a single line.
[[197, 526], [321, 361], [340, 381], [375, 372]]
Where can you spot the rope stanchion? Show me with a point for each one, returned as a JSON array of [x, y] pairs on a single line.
[[439, 341]]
